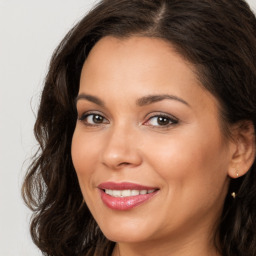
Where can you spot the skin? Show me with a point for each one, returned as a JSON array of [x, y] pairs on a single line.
[[189, 160]]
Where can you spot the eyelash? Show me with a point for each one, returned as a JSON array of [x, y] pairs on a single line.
[[170, 119], [93, 115], [167, 118]]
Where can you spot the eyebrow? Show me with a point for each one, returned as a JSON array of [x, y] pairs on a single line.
[[149, 99], [145, 100], [90, 98]]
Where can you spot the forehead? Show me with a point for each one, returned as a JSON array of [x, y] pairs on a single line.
[[133, 50], [141, 63], [135, 60]]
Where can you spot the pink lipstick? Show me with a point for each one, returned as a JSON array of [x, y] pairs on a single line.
[[125, 195]]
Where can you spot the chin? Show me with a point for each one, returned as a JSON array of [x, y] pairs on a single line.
[[124, 237], [126, 233]]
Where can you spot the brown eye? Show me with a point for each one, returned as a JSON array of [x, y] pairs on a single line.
[[161, 121], [97, 119], [93, 119]]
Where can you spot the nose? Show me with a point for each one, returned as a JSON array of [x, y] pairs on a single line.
[[121, 149]]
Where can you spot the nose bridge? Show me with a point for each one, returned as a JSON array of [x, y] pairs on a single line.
[[121, 148]]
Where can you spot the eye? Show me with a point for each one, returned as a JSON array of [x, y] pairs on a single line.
[[93, 119], [161, 120]]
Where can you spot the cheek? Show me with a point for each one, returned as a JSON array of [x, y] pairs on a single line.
[[194, 174], [82, 156], [77, 152], [189, 159]]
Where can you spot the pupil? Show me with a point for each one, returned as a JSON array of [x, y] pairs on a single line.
[[163, 121], [97, 119]]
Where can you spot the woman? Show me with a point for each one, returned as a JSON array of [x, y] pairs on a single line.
[[147, 133]]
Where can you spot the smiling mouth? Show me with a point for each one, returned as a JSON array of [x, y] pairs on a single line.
[[125, 196], [128, 192]]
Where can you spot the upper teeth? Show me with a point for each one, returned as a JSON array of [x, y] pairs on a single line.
[[127, 192]]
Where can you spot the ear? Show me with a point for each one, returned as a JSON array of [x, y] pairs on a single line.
[[243, 148]]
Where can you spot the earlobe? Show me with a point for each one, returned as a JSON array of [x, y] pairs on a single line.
[[243, 155]]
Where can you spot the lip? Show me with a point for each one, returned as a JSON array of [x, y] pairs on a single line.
[[124, 203], [123, 185]]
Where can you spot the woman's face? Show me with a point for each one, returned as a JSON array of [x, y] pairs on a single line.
[[148, 149]]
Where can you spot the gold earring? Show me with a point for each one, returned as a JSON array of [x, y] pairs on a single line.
[[233, 194]]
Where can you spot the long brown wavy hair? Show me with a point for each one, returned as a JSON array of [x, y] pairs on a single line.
[[218, 37]]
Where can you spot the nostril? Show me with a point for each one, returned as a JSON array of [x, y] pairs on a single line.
[[124, 163]]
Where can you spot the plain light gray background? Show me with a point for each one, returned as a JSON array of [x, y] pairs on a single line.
[[29, 32]]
